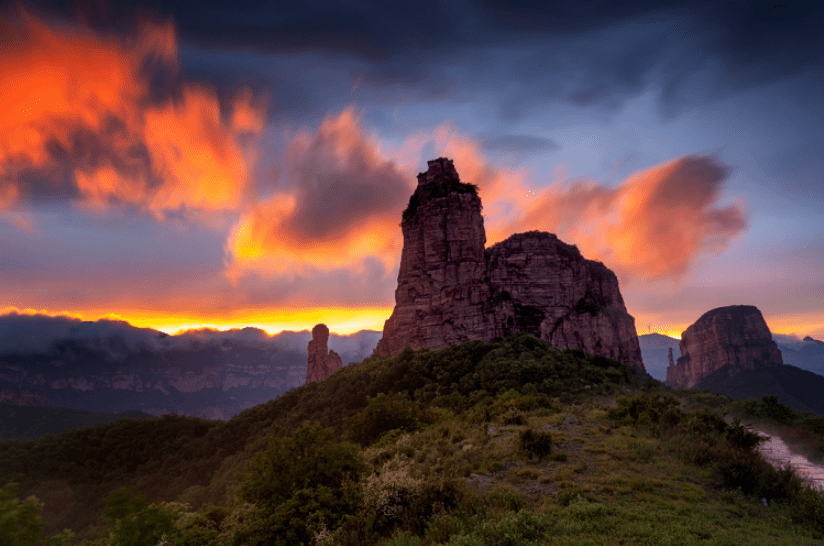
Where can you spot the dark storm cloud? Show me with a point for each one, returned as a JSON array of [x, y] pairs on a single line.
[[589, 53]]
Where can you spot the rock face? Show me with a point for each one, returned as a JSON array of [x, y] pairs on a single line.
[[734, 336], [321, 363], [451, 289]]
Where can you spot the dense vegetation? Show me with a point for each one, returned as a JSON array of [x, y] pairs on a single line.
[[512, 442], [34, 422], [444, 188]]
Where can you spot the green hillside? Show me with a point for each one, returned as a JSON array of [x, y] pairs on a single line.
[[513, 442], [34, 422]]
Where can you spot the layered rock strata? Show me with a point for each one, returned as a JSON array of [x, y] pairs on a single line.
[[736, 336], [322, 362], [451, 289]]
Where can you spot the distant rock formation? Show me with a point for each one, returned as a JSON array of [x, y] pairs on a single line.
[[321, 363], [451, 289], [736, 337], [655, 352]]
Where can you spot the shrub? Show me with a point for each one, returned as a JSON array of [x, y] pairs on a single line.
[[807, 509], [382, 414], [513, 416], [649, 409], [742, 437], [19, 521], [569, 495], [400, 497], [535, 444], [512, 528], [301, 484]]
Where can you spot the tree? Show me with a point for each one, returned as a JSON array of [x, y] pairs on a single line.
[[135, 522], [20, 522], [382, 414], [301, 484]]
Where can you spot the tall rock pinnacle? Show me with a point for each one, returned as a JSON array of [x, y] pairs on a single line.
[[736, 336], [451, 289], [321, 364]]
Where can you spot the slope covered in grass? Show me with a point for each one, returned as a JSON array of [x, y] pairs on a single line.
[[512, 442]]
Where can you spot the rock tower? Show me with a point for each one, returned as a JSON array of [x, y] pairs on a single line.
[[451, 289], [736, 336], [321, 363]]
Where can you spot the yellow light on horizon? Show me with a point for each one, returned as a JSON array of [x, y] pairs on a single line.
[[339, 320]]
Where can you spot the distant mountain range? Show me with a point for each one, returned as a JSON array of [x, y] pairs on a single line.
[[112, 367], [799, 383], [807, 353]]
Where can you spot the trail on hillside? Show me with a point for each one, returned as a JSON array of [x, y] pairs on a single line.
[[778, 453]]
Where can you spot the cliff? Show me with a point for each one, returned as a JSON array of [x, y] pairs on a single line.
[[735, 338], [321, 362], [451, 289]]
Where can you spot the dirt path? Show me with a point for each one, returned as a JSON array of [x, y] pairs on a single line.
[[778, 453]]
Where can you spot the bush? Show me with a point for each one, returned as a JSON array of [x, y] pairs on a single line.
[[20, 522], [807, 509], [535, 444], [649, 409], [300, 485], [382, 414], [148, 526], [742, 437]]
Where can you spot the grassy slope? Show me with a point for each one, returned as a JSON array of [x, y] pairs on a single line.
[[607, 482]]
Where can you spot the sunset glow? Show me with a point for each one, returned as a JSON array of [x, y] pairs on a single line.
[[341, 320], [152, 172]]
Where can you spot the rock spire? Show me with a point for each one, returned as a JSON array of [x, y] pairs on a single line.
[[451, 289], [321, 363]]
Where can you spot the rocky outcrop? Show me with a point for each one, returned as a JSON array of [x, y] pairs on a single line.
[[322, 362], [735, 337], [451, 289]]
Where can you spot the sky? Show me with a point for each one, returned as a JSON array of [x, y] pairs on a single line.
[[229, 164]]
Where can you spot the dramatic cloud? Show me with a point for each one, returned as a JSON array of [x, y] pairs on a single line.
[[102, 120], [655, 225], [590, 54], [336, 202]]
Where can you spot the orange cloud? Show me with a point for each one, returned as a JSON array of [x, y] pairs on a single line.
[[77, 121], [338, 203], [653, 226]]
